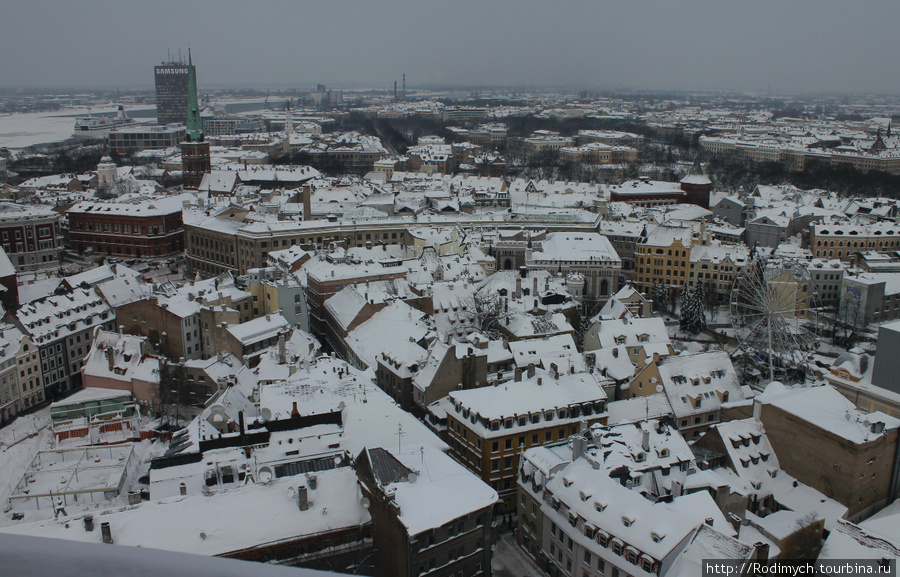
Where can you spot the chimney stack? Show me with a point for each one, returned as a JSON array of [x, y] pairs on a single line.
[[303, 498], [295, 412], [518, 293], [110, 357], [645, 440], [281, 349], [107, 533], [579, 447], [530, 370]]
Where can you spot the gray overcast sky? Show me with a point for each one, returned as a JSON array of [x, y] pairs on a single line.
[[755, 45]]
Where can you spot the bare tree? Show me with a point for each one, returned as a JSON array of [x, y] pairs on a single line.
[[490, 313], [173, 394], [848, 321], [806, 542]]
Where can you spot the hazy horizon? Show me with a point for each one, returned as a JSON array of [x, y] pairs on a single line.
[[797, 47]]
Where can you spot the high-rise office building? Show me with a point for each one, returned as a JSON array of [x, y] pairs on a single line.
[[172, 91]]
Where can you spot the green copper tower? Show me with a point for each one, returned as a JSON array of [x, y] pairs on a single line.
[[195, 158], [194, 129]]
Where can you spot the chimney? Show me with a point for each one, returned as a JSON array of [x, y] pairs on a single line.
[[311, 481], [518, 293], [645, 440], [307, 202], [110, 357], [303, 498], [517, 375], [295, 412], [121, 329], [579, 447], [241, 421], [757, 410], [530, 370], [676, 489], [534, 287], [540, 381], [88, 522], [281, 350], [107, 533]]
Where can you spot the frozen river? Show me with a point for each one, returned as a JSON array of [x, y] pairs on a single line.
[[26, 129]]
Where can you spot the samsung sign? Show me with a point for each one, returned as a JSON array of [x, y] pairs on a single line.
[[171, 70]]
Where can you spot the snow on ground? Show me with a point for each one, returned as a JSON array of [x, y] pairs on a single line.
[[17, 449], [510, 561]]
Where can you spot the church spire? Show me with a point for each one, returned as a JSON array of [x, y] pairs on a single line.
[[194, 129]]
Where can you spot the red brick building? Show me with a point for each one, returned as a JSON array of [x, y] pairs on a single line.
[[144, 229]]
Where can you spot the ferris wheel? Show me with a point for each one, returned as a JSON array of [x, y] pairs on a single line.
[[774, 318]]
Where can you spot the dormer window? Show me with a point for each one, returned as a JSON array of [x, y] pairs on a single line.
[[627, 521], [599, 506]]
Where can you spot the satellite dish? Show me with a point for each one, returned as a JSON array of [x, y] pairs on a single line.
[[364, 503], [266, 474], [659, 388], [203, 535], [266, 414], [412, 477]]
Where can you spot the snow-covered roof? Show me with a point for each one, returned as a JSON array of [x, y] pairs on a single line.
[[699, 383], [576, 246], [129, 360], [206, 525], [540, 394], [395, 330], [638, 409], [654, 529], [155, 207], [57, 316], [259, 329], [370, 416], [443, 489], [824, 407]]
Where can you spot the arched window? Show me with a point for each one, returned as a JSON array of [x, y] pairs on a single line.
[[604, 287], [507, 264]]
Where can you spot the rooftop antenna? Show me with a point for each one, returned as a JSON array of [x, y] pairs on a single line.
[[400, 435]]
